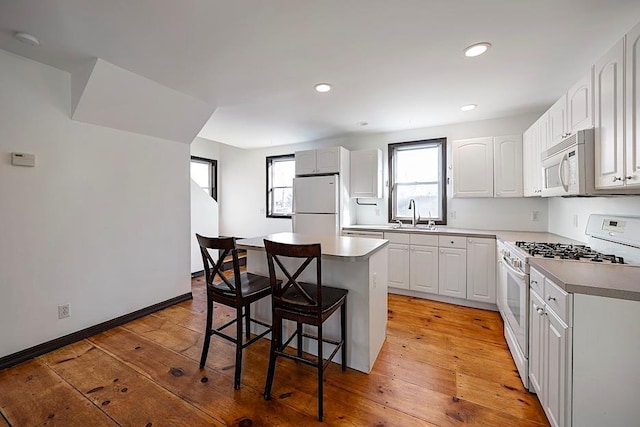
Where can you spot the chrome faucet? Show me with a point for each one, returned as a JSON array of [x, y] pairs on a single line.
[[412, 206]]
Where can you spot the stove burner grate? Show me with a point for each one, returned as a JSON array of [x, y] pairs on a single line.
[[567, 251]]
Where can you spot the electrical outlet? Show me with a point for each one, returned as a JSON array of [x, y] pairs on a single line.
[[64, 310], [575, 221], [535, 215], [453, 214]]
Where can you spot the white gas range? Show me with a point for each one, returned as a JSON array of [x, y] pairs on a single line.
[[611, 239]]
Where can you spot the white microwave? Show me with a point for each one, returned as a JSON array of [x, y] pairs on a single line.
[[568, 167]]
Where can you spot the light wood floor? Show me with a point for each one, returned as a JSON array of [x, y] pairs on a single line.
[[440, 365]]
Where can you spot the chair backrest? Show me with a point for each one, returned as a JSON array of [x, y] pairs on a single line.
[[281, 290], [224, 246]]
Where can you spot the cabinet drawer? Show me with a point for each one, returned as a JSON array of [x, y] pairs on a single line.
[[424, 240], [397, 237], [370, 234], [558, 301], [459, 242], [536, 281]]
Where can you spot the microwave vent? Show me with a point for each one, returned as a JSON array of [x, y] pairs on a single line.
[[579, 137]]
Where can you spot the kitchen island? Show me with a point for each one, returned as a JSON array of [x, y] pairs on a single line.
[[353, 263]]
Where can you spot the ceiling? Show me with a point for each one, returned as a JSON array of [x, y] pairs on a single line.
[[393, 64]]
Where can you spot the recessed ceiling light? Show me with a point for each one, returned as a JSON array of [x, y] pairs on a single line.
[[323, 87], [26, 38], [477, 49], [468, 107], [363, 124]]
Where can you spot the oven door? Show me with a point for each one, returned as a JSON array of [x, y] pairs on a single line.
[[515, 304]]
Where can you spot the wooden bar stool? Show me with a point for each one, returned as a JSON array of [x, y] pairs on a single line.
[[303, 303], [238, 292]]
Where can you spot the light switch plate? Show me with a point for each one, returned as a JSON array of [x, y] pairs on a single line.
[[23, 159]]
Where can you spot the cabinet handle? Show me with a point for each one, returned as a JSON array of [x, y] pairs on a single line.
[[616, 178], [550, 298], [534, 281], [628, 178], [452, 242]]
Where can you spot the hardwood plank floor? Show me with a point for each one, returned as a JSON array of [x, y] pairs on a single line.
[[441, 365]]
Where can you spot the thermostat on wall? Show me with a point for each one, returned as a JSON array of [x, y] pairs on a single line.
[[23, 159]]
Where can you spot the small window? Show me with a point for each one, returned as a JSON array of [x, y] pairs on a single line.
[[417, 172], [280, 174], [204, 173]]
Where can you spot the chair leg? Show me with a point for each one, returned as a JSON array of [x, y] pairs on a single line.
[[236, 379], [207, 334], [320, 374], [343, 326], [276, 333], [248, 320], [299, 332]]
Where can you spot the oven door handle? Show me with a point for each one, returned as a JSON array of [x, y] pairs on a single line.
[[517, 273]]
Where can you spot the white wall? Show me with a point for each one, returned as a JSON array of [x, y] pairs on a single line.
[[204, 210], [242, 201], [101, 222], [563, 210]]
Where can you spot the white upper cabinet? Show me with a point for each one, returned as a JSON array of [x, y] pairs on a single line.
[[580, 104], [609, 118], [487, 167], [320, 161], [507, 166], [558, 120], [632, 143], [473, 167], [366, 173]]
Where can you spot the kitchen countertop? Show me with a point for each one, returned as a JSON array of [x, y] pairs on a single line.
[[336, 247], [504, 235], [590, 278]]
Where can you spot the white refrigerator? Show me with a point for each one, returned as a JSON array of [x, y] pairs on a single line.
[[316, 205]]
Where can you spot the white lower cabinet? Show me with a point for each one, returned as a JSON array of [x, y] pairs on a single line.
[[424, 268], [450, 265], [452, 270], [550, 355], [398, 265], [481, 270]]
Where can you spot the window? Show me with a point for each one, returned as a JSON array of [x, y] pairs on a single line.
[[417, 172], [280, 173], [204, 173]]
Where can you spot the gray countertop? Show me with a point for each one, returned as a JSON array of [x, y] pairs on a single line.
[[591, 278], [607, 280], [335, 247], [504, 235]]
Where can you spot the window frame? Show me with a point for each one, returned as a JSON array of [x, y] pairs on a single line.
[[392, 217], [213, 174], [269, 162]]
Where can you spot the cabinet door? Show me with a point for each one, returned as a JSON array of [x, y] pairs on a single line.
[[609, 120], [481, 270], [537, 330], [366, 173], [507, 166], [424, 268], [632, 144], [473, 168], [305, 162], [328, 160], [528, 138], [557, 364], [544, 133], [452, 266], [399, 266], [580, 104], [558, 120]]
